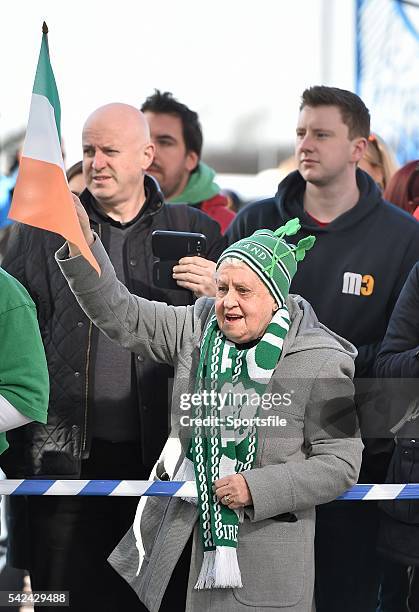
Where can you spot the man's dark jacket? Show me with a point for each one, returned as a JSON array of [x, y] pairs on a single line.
[[55, 450]]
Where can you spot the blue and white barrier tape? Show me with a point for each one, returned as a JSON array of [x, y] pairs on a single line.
[[158, 488], [124, 488]]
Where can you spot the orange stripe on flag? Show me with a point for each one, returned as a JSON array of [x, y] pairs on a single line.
[[42, 199]]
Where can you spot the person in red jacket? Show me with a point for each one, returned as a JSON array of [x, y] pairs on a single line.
[[177, 166]]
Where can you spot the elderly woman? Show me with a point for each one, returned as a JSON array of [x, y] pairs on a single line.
[[258, 480]]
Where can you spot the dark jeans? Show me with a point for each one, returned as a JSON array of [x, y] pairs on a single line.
[[347, 565], [71, 537]]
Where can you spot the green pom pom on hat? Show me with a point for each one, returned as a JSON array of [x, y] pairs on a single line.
[[271, 257]]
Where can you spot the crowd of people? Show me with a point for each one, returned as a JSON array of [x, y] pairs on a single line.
[[309, 296]]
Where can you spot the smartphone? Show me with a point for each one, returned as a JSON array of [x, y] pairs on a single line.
[[169, 247], [174, 245]]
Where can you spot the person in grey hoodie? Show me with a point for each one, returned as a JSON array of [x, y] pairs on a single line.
[[251, 531]]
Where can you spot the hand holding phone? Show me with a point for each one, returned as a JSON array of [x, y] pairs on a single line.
[[196, 274]]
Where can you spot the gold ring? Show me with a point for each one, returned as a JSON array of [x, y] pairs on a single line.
[[227, 499]]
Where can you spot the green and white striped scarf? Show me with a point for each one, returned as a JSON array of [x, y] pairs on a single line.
[[219, 450]]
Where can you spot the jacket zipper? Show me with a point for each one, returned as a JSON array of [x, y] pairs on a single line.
[[86, 395], [83, 448]]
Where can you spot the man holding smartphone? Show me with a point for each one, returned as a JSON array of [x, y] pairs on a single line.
[[109, 408]]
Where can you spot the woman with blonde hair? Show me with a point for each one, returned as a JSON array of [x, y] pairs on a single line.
[[379, 161]]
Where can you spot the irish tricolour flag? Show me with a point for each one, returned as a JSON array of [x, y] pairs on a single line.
[[41, 197]]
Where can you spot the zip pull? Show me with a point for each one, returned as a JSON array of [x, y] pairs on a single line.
[[411, 414]]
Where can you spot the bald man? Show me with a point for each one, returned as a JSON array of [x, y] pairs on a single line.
[[108, 412], [116, 153]]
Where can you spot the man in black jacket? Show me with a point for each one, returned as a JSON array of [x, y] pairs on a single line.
[[109, 409], [364, 251]]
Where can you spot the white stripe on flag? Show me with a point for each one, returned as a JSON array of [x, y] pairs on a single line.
[[42, 142]]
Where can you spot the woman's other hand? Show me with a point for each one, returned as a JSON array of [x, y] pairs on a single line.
[[233, 491]]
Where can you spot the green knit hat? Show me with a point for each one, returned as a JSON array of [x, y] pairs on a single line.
[[270, 257]]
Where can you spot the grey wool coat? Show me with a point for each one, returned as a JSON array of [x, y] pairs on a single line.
[[312, 460]]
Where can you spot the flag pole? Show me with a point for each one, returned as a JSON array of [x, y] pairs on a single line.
[[45, 33]]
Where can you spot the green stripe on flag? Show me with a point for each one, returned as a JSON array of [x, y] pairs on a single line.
[[45, 83]]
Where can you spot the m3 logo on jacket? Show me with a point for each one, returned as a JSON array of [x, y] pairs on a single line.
[[356, 284]]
